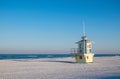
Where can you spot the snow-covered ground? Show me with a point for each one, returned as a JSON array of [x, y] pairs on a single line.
[[60, 68]]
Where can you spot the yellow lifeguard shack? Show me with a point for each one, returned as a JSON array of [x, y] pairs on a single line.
[[84, 54]]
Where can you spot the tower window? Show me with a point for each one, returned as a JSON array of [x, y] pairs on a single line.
[[90, 50], [80, 57], [80, 50]]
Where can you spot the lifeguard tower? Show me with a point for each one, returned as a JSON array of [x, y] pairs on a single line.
[[83, 53]]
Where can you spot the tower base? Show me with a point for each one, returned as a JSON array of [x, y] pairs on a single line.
[[84, 58]]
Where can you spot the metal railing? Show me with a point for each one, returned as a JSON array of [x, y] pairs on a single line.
[[74, 50]]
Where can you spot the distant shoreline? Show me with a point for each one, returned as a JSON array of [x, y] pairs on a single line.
[[37, 56]]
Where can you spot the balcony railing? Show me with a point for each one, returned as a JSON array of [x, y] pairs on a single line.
[[75, 50]]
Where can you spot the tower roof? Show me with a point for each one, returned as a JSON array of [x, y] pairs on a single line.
[[84, 38]]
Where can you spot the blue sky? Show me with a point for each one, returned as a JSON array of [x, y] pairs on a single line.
[[53, 26]]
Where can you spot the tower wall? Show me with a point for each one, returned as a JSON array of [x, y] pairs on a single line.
[[84, 58]]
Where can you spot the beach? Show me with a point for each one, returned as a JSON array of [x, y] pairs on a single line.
[[60, 68]]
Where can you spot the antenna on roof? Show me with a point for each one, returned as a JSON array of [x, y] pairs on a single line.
[[83, 24]]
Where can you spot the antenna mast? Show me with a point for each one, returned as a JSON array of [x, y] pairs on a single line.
[[83, 24], [84, 36]]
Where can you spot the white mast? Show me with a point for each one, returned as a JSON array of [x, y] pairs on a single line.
[[83, 24]]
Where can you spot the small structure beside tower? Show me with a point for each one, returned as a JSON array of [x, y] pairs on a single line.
[[83, 53]]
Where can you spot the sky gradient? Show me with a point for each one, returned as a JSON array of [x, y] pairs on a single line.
[[53, 26]]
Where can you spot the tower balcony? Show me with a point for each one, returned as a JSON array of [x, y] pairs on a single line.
[[75, 50]]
